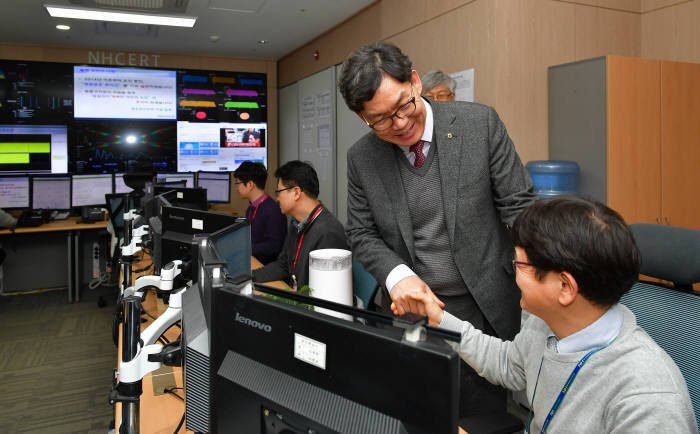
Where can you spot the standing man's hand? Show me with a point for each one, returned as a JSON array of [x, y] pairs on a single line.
[[402, 300]]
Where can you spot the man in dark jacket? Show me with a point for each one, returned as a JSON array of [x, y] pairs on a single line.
[[317, 228]]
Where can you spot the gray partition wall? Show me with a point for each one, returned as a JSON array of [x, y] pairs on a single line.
[[317, 130], [577, 122], [349, 129], [288, 143]]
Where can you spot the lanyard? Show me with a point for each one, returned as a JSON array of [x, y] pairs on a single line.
[[564, 389], [313, 217], [255, 212]]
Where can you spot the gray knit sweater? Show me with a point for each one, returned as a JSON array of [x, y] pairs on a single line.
[[631, 386]]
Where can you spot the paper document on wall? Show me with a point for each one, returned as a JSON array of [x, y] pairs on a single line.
[[465, 85]]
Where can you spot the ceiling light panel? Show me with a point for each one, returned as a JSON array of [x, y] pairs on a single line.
[[122, 17]]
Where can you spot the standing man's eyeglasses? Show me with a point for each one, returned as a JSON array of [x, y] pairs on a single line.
[[403, 112]]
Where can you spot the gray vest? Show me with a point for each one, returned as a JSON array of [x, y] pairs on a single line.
[[434, 260]]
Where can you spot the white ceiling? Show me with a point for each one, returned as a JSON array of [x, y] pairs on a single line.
[[239, 25]]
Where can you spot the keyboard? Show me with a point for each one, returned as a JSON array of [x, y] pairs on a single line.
[[60, 215]]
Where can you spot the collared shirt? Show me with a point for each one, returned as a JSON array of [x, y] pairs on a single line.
[[301, 227], [598, 334], [402, 271], [258, 201], [427, 135]]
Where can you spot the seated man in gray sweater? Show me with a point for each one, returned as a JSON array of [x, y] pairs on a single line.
[[573, 261]]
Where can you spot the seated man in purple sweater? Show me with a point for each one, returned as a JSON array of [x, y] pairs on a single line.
[[268, 226]]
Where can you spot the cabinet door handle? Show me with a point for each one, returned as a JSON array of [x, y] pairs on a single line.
[[668, 221]]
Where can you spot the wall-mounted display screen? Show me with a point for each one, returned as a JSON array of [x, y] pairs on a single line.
[[116, 146], [35, 92], [92, 119], [33, 149], [124, 93], [217, 96], [217, 147]]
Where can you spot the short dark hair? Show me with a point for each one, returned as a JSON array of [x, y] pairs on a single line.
[[297, 173], [585, 238], [252, 171], [363, 70]]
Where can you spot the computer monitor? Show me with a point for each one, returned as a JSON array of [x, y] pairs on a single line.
[[119, 184], [277, 367], [90, 190], [179, 225], [51, 192], [193, 198], [188, 177], [117, 205], [218, 185], [33, 148], [14, 191]]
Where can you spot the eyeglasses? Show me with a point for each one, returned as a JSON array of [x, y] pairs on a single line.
[[439, 96], [403, 112], [283, 189], [516, 263]]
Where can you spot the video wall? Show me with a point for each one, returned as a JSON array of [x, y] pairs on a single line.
[[88, 119]]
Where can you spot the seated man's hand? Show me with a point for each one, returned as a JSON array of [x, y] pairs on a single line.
[[402, 302]]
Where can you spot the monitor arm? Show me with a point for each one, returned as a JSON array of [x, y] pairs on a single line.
[[146, 359], [164, 281]]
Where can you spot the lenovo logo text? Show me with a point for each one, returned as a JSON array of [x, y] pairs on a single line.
[[250, 323]]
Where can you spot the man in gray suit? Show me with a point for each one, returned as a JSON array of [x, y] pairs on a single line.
[[431, 190]]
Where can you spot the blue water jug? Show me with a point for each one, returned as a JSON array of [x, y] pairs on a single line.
[[554, 178]]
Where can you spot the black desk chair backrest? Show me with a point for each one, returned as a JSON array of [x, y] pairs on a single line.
[[670, 314]]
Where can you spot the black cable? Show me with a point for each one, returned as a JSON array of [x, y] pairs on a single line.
[[149, 314], [182, 420], [139, 270], [172, 392]]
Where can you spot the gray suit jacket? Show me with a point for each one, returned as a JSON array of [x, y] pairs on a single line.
[[484, 187]]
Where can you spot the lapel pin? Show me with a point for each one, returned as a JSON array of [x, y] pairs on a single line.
[[449, 135]]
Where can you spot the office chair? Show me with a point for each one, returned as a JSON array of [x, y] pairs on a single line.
[[670, 314], [364, 285]]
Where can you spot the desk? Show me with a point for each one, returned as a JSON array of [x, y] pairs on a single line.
[[255, 264], [160, 414], [72, 228]]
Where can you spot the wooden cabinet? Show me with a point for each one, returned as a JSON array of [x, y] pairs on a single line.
[[633, 125]]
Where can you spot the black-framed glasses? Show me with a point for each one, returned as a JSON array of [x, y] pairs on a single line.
[[283, 189], [516, 263], [402, 112]]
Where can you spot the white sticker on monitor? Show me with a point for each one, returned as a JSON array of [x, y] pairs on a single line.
[[180, 194], [198, 224], [310, 351]]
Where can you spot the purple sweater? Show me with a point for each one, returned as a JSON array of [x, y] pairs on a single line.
[[268, 229]]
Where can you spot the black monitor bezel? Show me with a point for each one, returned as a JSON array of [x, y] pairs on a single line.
[[54, 175], [29, 189], [111, 175], [199, 173]]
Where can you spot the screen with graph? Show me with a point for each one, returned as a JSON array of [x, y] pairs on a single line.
[[109, 146], [36, 92], [213, 96], [33, 149]]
